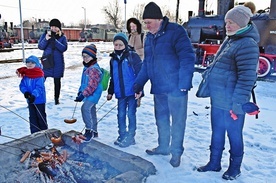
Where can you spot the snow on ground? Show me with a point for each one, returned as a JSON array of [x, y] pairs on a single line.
[[259, 134]]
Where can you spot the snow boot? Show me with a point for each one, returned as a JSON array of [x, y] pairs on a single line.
[[175, 160], [233, 170], [88, 135], [95, 134], [56, 101], [127, 141], [119, 140], [158, 151], [214, 163]]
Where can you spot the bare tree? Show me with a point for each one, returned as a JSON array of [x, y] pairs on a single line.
[[167, 12], [113, 14], [138, 11], [83, 22]]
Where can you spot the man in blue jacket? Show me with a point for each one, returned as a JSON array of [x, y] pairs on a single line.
[[169, 65]]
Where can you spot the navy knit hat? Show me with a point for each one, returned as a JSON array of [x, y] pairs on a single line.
[[35, 60], [90, 50], [152, 11], [55, 22], [121, 36]]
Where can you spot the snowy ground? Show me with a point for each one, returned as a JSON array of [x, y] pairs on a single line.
[[259, 134]]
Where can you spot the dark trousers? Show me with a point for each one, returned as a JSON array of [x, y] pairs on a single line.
[[57, 86], [221, 123], [170, 115], [127, 107], [37, 117]]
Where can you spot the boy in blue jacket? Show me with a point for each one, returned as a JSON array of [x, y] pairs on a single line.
[[33, 88], [124, 67], [90, 90]]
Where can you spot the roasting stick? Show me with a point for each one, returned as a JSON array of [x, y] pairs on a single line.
[[72, 120]]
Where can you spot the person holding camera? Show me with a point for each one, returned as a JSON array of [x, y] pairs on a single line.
[[54, 44]]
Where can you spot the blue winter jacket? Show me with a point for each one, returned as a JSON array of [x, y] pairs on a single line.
[[234, 73], [90, 83], [36, 87], [123, 72], [60, 46], [169, 60]]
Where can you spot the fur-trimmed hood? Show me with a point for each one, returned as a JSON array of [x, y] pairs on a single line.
[[136, 22]]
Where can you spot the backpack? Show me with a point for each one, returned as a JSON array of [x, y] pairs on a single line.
[[105, 78]]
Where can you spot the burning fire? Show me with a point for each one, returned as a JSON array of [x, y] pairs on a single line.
[[46, 160]]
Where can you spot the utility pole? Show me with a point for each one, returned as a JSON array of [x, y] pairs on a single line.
[[84, 17]]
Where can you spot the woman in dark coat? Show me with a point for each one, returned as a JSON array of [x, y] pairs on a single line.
[[54, 42], [231, 80]]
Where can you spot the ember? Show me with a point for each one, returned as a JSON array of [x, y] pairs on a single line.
[[84, 162], [45, 165]]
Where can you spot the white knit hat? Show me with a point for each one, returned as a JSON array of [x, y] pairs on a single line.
[[240, 15]]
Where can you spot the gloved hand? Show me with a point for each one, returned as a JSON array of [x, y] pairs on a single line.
[[53, 35], [233, 115], [79, 93], [237, 108], [27, 94], [79, 98], [31, 99], [109, 97]]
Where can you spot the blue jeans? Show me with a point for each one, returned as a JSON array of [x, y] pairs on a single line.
[[37, 117], [221, 122], [127, 107], [89, 116], [168, 106]]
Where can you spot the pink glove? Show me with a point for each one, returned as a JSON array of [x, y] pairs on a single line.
[[233, 115]]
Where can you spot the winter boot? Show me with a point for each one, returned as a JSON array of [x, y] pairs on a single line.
[[214, 162], [88, 135], [119, 140], [175, 160], [95, 134], [233, 170], [56, 101], [158, 151], [127, 141]]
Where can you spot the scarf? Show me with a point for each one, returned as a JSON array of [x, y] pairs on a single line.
[[31, 73], [91, 62]]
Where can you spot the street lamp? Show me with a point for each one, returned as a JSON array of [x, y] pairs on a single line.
[[84, 17]]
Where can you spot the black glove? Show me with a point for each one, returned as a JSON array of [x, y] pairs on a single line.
[[79, 93], [27, 94], [53, 34], [31, 99], [79, 98]]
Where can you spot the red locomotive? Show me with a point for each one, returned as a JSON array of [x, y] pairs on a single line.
[[207, 32]]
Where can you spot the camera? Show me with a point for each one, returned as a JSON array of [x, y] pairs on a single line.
[[49, 32]]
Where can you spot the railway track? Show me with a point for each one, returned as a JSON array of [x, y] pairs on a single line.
[[13, 49], [11, 61]]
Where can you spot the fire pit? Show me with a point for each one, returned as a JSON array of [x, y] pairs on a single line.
[[84, 163]]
